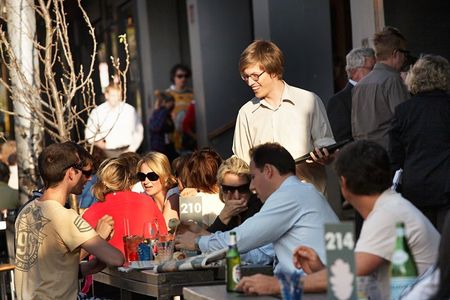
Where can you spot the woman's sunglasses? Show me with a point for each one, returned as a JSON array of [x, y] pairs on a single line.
[[241, 189], [152, 176]]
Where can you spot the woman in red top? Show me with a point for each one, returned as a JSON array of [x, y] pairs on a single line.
[[115, 198]]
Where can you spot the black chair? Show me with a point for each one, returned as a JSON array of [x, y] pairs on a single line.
[[6, 268]]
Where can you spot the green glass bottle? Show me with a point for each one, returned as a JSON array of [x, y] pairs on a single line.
[[233, 267], [403, 267]]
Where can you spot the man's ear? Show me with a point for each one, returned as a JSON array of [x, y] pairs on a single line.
[[269, 171], [70, 173], [266, 170]]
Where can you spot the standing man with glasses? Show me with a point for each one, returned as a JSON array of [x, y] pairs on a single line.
[[281, 113], [375, 97]]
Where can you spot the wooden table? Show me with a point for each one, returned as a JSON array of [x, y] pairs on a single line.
[[219, 292], [166, 285]]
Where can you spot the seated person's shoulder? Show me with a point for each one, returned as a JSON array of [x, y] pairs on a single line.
[[188, 192]]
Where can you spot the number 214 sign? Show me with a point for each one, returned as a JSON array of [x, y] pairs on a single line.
[[339, 243]]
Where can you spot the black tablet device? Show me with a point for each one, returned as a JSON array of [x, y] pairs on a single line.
[[330, 148]]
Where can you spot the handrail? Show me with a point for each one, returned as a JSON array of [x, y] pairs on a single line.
[[221, 130]]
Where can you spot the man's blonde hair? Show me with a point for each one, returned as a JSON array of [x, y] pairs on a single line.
[[388, 40], [264, 53]]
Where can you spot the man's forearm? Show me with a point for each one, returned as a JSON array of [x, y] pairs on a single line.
[[91, 267], [315, 282]]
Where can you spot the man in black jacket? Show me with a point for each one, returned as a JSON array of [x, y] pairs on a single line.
[[360, 62]]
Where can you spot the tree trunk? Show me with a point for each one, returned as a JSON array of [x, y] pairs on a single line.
[[21, 32]]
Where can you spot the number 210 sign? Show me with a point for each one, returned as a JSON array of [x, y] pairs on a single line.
[[191, 209], [339, 244]]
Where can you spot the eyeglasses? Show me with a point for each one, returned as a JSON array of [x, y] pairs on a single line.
[[241, 189], [79, 167], [182, 76], [152, 176], [254, 77]]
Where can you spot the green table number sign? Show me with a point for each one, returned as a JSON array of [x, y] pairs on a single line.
[[339, 244], [191, 209]]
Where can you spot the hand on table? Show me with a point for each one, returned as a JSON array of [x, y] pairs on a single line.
[[192, 227], [187, 233], [259, 284], [307, 259], [186, 240], [105, 227]]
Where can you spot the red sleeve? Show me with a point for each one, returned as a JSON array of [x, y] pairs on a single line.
[[92, 215], [189, 118]]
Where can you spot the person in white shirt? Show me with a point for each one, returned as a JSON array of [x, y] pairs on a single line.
[[281, 113], [434, 283], [114, 126], [363, 168]]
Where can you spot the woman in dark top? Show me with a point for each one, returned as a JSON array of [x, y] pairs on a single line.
[[420, 138], [233, 178]]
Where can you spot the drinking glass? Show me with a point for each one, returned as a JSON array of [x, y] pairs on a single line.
[[164, 246], [291, 286], [150, 234], [130, 242]]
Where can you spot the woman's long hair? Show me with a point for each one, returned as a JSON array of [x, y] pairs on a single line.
[[200, 171]]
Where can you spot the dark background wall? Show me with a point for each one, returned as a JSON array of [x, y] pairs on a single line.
[[426, 24]]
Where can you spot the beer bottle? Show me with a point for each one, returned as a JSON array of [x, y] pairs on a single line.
[[233, 266], [403, 267]]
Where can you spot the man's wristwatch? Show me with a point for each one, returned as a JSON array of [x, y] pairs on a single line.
[[197, 239]]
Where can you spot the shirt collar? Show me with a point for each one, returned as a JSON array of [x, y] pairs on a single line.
[[352, 82], [285, 97], [385, 67], [384, 195]]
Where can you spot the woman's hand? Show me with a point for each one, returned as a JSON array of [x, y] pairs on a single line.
[[232, 208]]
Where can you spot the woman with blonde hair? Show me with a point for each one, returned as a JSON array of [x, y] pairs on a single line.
[[155, 175], [233, 178], [115, 198], [420, 138]]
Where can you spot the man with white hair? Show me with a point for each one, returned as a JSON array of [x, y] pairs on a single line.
[[360, 62]]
